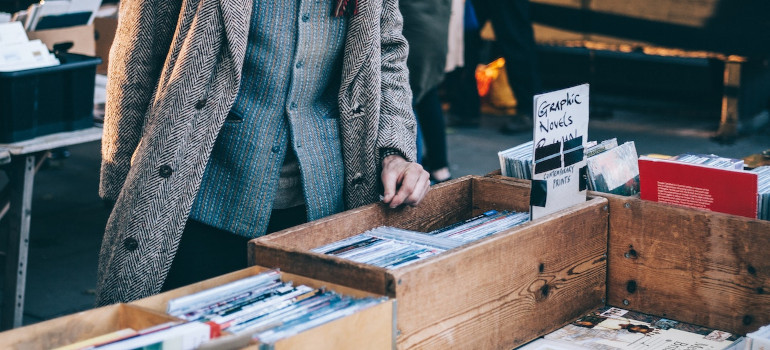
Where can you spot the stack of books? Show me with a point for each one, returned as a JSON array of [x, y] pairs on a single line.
[[17, 52], [706, 182], [763, 192], [391, 247]]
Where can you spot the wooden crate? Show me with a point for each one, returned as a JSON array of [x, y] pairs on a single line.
[[691, 265], [498, 292], [371, 328], [81, 326]]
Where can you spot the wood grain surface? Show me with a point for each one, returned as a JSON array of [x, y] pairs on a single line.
[[690, 265], [498, 292]]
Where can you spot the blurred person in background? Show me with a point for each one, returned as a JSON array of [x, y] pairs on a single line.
[[426, 28], [514, 39]]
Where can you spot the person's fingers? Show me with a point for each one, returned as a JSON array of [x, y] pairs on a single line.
[[406, 184], [389, 183], [421, 189]]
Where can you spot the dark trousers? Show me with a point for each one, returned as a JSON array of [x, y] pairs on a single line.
[[516, 40], [433, 128], [207, 252]]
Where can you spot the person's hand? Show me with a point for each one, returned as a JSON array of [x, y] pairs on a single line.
[[404, 182]]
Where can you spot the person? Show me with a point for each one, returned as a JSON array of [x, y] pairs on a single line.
[[514, 36], [426, 28], [241, 116]]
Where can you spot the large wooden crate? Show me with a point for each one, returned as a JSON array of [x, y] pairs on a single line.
[[371, 328], [495, 293], [81, 326], [691, 265]]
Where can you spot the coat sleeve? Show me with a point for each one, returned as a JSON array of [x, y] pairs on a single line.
[[144, 33], [397, 130]]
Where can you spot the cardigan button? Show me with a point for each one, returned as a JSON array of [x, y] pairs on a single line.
[[165, 171], [130, 244]]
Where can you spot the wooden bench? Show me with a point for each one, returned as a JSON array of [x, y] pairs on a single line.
[[722, 31]]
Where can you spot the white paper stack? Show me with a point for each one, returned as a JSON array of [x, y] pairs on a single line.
[[17, 52], [759, 340], [763, 193], [517, 161], [53, 14]]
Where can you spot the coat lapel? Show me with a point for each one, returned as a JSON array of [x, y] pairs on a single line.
[[359, 39], [236, 17]]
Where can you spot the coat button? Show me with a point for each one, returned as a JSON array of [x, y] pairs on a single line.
[[200, 104], [165, 171], [130, 244], [358, 179], [276, 149]]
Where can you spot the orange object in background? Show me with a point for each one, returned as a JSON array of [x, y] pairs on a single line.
[[494, 89]]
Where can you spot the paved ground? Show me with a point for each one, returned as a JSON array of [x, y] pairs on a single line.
[[68, 218]]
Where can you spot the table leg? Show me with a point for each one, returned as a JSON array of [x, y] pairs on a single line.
[[21, 177], [728, 125]]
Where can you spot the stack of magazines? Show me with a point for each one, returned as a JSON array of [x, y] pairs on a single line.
[[763, 192], [266, 307], [391, 247], [517, 161], [170, 335], [482, 226], [711, 160], [387, 247], [611, 168]]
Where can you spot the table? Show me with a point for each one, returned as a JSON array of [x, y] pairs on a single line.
[[21, 160]]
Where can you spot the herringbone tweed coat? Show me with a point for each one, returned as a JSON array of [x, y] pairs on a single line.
[[175, 70]]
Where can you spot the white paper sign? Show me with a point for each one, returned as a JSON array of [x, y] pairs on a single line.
[[560, 133]]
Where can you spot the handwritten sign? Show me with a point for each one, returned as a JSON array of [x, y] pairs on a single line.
[[560, 132]]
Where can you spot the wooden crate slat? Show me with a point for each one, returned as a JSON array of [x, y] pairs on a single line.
[[695, 266], [475, 295], [497, 287]]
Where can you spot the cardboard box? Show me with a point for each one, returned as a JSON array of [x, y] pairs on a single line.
[[371, 328], [104, 28], [82, 38], [498, 292], [81, 326]]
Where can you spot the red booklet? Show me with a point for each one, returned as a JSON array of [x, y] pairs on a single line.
[[697, 186]]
